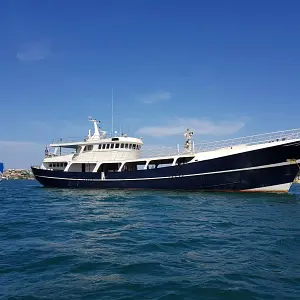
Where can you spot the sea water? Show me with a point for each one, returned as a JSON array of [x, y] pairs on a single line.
[[94, 244]]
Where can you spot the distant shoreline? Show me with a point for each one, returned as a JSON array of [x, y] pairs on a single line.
[[18, 174]]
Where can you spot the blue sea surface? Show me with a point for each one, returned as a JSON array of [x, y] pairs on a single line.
[[97, 244]]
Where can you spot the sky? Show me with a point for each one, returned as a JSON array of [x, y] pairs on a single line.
[[221, 68]]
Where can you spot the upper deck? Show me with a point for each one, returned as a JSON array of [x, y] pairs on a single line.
[[99, 141], [254, 140], [73, 142], [99, 137], [95, 147]]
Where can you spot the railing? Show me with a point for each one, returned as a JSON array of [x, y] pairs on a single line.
[[68, 140], [214, 145], [83, 139], [250, 140], [161, 151], [59, 153]]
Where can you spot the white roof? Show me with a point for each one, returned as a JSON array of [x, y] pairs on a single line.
[[91, 141]]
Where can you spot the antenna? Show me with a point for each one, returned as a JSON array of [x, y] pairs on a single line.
[[112, 112]]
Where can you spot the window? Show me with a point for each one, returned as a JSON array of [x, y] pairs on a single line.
[[126, 146], [133, 146], [122, 145], [88, 148], [130, 146], [107, 146], [50, 165], [184, 160], [61, 164], [65, 164], [103, 146], [99, 147], [134, 166], [160, 163], [117, 146], [111, 146]]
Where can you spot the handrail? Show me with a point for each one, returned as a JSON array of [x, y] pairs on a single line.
[[291, 134], [80, 140], [215, 145], [250, 140], [68, 140]]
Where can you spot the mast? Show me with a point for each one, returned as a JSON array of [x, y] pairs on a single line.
[[96, 129], [112, 112]]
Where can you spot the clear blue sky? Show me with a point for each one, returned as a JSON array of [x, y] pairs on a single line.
[[224, 68]]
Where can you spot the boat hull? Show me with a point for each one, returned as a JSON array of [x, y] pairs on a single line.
[[270, 169], [273, 179]]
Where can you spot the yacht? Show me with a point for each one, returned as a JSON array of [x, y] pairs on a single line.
[[260, 163]]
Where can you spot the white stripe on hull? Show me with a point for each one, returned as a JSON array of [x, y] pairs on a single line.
[[279, 188]]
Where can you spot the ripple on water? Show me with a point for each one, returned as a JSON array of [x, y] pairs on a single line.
[[84, 244]]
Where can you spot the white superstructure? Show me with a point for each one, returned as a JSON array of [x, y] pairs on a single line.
[[94, 150]]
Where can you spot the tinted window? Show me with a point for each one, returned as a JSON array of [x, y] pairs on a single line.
[[133, 146], [111, 146], [117, 145], [122, 145], [50, 165], [103, 146], [130, 146], [126, 146], [107, 146]]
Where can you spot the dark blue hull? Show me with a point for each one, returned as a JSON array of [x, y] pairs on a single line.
[[255, 169]]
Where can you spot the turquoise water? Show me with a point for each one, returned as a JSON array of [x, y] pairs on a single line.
[[80, 244]]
